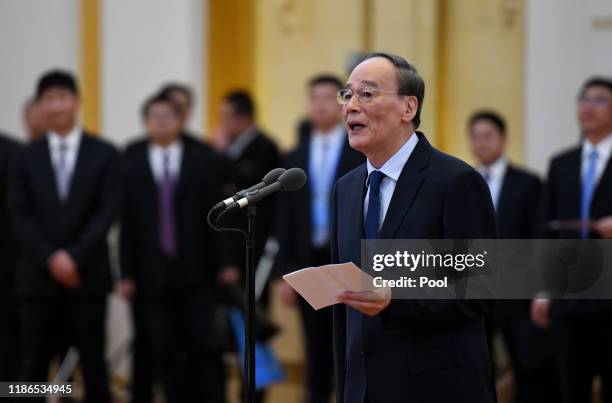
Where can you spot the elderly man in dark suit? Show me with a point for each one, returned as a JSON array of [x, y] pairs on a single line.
[[63, 197], [390, 350]]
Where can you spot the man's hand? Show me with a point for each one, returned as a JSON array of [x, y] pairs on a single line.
[[127, 288], [540, 312], [287, 293], [604, 227], [63, 269], [229, 275], [370, 303]]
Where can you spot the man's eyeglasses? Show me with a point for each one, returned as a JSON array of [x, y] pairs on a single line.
[[598, 102], [364, 95]]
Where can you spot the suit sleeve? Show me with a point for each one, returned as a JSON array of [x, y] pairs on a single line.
[[533, 207], [339, 311], [127, 235], [468, 214], [109, 199], [548, 210], [31, 238]]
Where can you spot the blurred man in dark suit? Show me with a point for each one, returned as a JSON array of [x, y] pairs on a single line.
[[249, 154], [516, 197], [397, 350], [63, 197], [579, 187], [303, 220], [169, 255], [142, 366], [182, 96], [9, 337]]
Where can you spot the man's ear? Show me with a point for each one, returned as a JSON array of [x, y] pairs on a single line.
[[411, 105]]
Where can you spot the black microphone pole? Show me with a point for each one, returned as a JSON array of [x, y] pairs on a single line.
[[292, 179], [249, 336]]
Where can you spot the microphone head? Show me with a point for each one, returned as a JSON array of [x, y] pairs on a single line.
[[292, 179], [273, 176]]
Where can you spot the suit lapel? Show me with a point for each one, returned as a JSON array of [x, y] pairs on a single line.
[[412, 177], [81, 164], [343, 161], [505, 192], [47, 170], [354, 203], [604, 181]]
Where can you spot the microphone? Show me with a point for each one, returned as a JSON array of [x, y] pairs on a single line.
[[268, 179], [292, 179]]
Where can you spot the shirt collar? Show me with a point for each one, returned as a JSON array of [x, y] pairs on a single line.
[[174, 148], [496, 169], [603, 148], [336, 133], [71, 140], [394, 165]]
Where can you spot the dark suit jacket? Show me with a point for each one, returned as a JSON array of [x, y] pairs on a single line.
[[415, 350], [198, 189], [258, 158], [562, 202], [294, 213], [519, 204], [8, 242], [80, 224]]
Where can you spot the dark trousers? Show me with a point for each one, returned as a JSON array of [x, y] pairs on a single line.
[[9, 339], [531, 351], [318, 338], [49, 324], [584, 349], [142, 371], [179, 329]]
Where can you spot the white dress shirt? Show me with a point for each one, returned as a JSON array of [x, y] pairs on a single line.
[[494, 175], [64, 162], [604, 148], [235, 150], [156, 160], [392, 170]]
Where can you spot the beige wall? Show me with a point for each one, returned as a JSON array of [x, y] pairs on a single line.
[[294, 40], [470, 53]]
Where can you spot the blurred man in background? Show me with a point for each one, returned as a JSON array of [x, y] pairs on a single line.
[[169, 255], [182, 96], [516, 197], [579, 187], [9, 336], [63, 198], [303, 221], [34, 120], [248, 155]]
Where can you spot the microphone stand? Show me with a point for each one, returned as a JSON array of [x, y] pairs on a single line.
[[249, 336], [249, 314]]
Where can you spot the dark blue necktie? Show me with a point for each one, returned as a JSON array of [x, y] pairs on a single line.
[[372, 222]]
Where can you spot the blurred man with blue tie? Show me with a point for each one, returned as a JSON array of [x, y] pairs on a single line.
[[304, 217], [579, 187], [397, 350], [169, 255], [516, 196]]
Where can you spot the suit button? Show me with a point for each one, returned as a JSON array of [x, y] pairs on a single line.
[[362, 354]]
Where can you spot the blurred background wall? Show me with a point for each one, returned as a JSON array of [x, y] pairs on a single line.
[[524, 58]]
